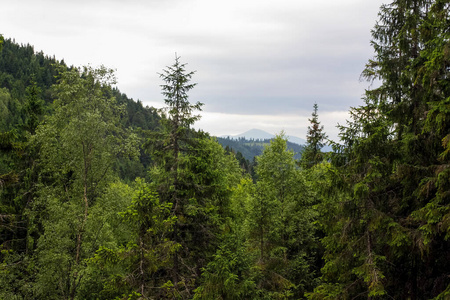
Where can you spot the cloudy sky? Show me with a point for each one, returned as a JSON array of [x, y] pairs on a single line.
[[259, 63]]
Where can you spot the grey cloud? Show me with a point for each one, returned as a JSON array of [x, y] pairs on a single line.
[[252, 57]]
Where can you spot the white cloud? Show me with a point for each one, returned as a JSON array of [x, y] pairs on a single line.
[[219, 124], [259, 62]]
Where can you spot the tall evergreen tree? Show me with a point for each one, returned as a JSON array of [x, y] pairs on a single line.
[[315, 139], [172, 143], [187, 174], [386, 238]]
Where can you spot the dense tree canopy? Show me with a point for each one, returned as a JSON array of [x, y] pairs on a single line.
[[103, 198], [390, 230]]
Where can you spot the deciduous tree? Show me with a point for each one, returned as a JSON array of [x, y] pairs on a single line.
[[79, 144]]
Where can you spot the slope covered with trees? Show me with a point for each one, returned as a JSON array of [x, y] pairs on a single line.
[[250, 148], [101, 198]]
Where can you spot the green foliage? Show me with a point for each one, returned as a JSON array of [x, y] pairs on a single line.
[[193, 174], [315, 138], [27, 76], [206, 179], [59, 194], [229, 274], [175, 91], [5, 115], [84, 128], [281, 221], [382, 234], [135, 265], [266, 252], [71, 228], [33, 108], [20, 65], [250, 148], [18, 177]]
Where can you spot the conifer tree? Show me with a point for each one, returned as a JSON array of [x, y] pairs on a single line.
[[192, 172], [171, 143], [381, 239], [315, 138]]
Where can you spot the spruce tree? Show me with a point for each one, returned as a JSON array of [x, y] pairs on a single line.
[[387, 234], [192, 172], [315, 138]]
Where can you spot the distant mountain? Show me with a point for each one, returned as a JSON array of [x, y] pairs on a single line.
[[252, 147], [258, 134], [251, 143], [255, 134]]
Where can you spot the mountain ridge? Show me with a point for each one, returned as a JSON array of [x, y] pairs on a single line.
[[258, 134]]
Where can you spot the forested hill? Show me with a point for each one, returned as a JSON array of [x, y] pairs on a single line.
[[26, 98], [102, 198], [250, 148], [21, 67]]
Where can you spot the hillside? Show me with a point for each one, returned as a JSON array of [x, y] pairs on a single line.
[[254, 147], [85, 215], [26, 98], [258, 134], [21, 66]]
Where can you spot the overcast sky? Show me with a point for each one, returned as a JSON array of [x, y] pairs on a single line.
[[259, 64]]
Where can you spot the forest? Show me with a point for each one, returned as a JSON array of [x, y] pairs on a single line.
[[250, 148], [103, 198]]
